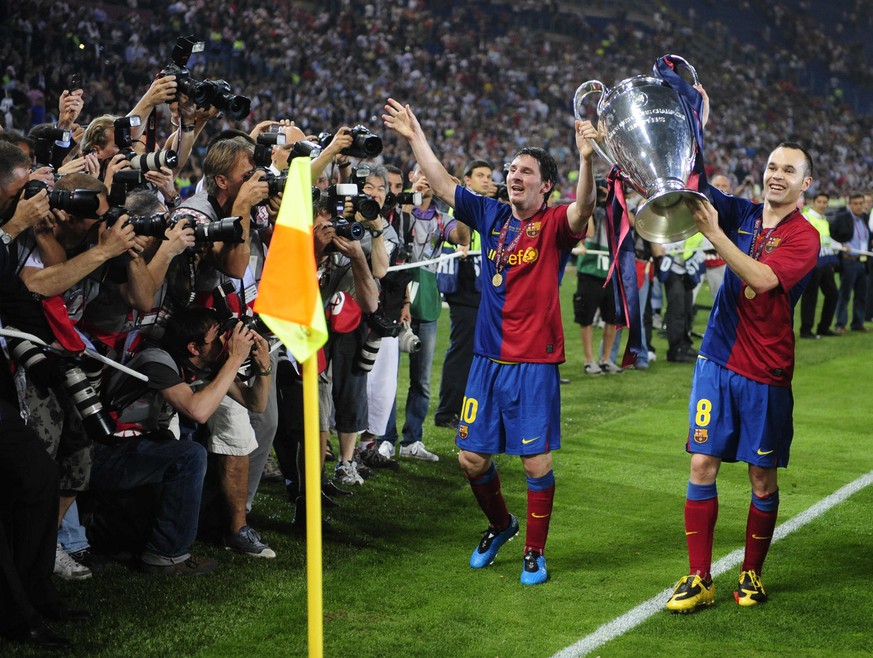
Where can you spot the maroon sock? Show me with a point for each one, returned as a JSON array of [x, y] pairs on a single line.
[[539, 513], [486, 489], [759, 534], [700, 518]]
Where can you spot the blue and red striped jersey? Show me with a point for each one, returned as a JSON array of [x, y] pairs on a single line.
[[520, 319]]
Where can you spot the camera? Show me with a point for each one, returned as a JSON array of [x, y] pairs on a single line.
[[122, 126], [368, 353], [502, 193], [263, 155], [402, 199], [151, 226], [346, 229], [362, 203], [82, 203], [364, 143], [204, 93], [380, 327], [408, 341], [123, 181], [153, 161], [74, 383], [227, 229], [44, 139]]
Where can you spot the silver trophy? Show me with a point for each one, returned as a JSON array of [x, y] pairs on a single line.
[[646, 133]]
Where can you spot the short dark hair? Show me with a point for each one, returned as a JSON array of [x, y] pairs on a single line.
[[11, 158], [798, 147], [548, 166], [818, 194], [391, 169], [476, 164], [187, 325]]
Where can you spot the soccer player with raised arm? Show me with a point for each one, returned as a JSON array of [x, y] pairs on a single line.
[[741, 402], [512, 401]]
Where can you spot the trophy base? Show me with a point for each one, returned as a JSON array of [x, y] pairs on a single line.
[[665, 218]]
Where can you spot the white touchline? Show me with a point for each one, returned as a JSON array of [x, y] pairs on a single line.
[[654, 605]]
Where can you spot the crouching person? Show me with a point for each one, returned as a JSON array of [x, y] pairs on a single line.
[[195, 368]]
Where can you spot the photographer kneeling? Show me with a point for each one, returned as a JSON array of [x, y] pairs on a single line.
[[191, 375]]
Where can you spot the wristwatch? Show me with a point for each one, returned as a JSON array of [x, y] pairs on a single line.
[[5, 238]]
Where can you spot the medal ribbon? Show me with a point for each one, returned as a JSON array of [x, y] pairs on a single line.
[[503, 253]]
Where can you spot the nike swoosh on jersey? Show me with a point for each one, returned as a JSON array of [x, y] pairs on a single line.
[[524, 442], [764, 452], [754, 536], [538, 516], [742, 232], [693, 532]]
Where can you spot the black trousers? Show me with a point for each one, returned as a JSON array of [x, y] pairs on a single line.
[[28, 525], [822, 279], [459, 357]]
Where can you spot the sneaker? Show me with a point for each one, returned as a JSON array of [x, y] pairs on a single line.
[[592, 369], [750, 590], [94, 561], [374, 459], [418, 451], [610, 368], [67, 568], [486, 551], [534, 571], [363, 470], [652, 356], [386, 449], [839, 331], [193, 566], [248, 542], [690, 592], [347, 473]]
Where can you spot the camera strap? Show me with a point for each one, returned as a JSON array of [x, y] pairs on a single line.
[[151, 132]]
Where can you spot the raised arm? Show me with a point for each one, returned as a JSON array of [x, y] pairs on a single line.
[[582, 208], [400, 118]]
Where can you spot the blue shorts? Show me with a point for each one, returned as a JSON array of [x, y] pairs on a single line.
[[512, 408], [737, 419]]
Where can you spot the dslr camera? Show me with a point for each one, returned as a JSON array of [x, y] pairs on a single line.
[[145, 161], [226, 229], [364, 143], [204, 93], [82, 203]]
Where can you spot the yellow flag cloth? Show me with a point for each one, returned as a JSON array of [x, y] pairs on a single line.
[[288, 298]]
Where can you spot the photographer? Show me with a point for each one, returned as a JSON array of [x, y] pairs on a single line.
[[348, 290], [423, 230], [196, 348], [214, 276]]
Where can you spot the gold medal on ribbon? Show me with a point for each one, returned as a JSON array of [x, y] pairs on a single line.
[[750, 294], [496, 280]]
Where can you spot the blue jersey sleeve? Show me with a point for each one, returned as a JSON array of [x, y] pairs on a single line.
[[732, 210]]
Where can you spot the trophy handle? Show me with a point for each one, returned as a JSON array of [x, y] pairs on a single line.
[[681, 62], [585, 89]]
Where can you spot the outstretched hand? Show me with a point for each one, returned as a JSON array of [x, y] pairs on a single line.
[[400, 119]]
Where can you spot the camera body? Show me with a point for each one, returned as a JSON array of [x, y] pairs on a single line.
[[122, 126], [365, 144]]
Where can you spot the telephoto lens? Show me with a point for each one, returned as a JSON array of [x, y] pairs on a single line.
[[368, 353]]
